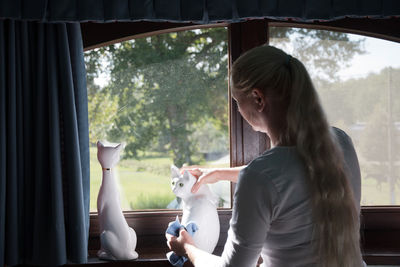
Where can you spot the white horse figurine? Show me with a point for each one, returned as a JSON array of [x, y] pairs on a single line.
[[118, 240]]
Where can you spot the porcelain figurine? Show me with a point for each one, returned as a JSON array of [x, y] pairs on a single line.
[[118, 240], [199, 209]]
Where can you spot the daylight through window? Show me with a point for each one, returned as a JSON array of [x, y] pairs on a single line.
[[166, 97], [358, 81]]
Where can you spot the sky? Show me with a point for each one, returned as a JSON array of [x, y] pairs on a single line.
[[379, 54]]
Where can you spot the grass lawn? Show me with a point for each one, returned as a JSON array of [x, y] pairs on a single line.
[[145, 184], [375, 194]]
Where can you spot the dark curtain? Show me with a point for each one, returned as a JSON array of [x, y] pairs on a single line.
[[198, 11], [44, 144]]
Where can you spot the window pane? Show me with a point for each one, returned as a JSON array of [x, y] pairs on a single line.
[[166, 97], [358, 80]]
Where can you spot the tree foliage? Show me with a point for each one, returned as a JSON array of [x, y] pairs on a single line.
[[323, 52], [167, 87], [368, 108], [169, 92]]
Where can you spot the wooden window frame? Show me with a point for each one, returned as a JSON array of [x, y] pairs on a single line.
[[380, 227]]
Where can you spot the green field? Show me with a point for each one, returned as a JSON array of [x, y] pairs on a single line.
[[145, 184], [375, 194]]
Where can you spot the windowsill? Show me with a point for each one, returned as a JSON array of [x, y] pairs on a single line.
[[149, 262], [150, 229], [381, 258], [380, 233], [152, 257], [386, 258], [146, 258]]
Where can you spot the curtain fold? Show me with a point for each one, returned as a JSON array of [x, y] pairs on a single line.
[[44, 144], [198, 11]]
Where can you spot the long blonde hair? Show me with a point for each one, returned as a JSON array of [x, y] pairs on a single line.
[[285, 79]]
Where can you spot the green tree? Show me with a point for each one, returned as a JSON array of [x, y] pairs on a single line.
[[167, 86], [323, 52], [380, 142], [103, 109], [368, 109], [102, 105]]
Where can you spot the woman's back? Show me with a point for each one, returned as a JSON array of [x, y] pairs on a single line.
[[288, 241], [278, 179], [296, 205]]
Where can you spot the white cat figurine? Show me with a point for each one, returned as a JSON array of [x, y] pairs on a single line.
[[199, 208], [118, 240]]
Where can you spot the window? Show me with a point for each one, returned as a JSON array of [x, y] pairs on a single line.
[[379, 228], [358, 80], [166, 97]]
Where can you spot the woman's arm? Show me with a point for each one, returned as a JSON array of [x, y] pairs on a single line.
[[210, 176], [197, 256], [253, 205], [184, 246]]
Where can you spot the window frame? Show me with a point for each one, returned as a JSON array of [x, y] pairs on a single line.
[[380, 230]]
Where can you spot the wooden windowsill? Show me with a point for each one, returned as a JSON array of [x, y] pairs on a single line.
[[382, 258], [380, 235], [150, 229], [143, 262], [149, 260]]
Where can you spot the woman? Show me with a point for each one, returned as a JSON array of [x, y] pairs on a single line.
[[293, 204]]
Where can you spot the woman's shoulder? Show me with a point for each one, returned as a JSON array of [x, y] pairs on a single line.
[[275, 158], [343, 139], [273, 163]]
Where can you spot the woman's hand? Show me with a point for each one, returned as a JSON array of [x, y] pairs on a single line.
[[179, 244], [203, 176], [210, 176]]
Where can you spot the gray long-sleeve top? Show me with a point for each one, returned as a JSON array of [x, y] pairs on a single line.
[[272, 210]]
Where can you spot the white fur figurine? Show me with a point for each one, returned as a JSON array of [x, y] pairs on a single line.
[[199, 208], [118, 240]]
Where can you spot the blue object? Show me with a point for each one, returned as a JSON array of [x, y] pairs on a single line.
[[173, 229]]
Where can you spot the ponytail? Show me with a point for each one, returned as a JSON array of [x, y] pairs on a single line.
[[284, 78]]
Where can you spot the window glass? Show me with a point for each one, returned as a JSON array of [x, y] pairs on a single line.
[[358, 81], [166, 97]]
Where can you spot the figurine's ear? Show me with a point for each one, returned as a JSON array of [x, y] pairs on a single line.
[[192, 178], [119, 147], [189, 177], [186, 175], [175, 171], [99, 144]]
